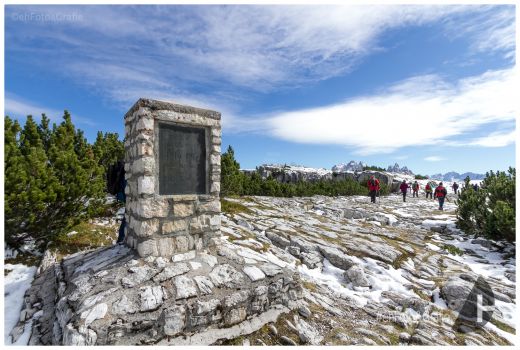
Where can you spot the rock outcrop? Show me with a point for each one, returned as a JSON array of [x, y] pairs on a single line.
[[112, 297], [293, 174], [318, 270]]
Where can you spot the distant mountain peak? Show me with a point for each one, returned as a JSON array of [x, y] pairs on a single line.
[[453, 175], [397, 169], [350, 166]]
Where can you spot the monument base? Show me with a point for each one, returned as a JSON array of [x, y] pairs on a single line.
[[111, 296]]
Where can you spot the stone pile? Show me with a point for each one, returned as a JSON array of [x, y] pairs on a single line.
[[113, 297]]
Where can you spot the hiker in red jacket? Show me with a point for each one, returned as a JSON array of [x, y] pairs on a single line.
[[404, 188], [373, 188], [440, 194], [429, 190], [415, 188]]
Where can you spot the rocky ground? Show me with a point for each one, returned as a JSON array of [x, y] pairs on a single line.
[[384, 273]]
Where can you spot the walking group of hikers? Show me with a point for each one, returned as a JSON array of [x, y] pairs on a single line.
[[438, 193]]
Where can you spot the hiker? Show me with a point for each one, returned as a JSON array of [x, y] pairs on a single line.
[[404, 188], [440, 194], [428, 190], [116, 185], [455, 187], [373, 188], [415, 188], [121, 232], [410, 186]]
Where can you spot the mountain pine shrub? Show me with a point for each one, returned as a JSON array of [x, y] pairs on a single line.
[[490, 210]]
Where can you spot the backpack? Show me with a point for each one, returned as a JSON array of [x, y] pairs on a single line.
[[440, 190], [115, 177]]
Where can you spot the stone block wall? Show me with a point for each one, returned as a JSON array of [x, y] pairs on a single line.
[[164, 225]]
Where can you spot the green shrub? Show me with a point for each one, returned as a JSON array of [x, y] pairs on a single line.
[[52, 180], [489, 211], [421, 177], [373, 167], [238, 183]]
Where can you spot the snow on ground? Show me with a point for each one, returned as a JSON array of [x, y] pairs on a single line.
[[381, 280], [433, 247], [17, 281], [486, 262], [489, 263], [512, 338], [433, 223], [331, 277]]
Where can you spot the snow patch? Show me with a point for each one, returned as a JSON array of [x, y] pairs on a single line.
[[16, 283], [433, 247]]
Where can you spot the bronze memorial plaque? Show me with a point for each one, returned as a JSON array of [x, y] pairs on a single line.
[[182, 160]]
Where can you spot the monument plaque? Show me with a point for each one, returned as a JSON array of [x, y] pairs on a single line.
[[172, 163], [182, 160]]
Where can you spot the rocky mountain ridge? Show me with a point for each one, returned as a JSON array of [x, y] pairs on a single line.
[[455, 176], [350, 166], [399, 170]]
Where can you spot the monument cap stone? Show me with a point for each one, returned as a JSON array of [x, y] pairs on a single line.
[[172, 153]]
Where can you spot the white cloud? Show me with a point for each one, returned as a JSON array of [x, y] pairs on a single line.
[[433, 159], [490, 30], [495, 139], [258, 47], [199, 55], [418, 111], [17, 107]]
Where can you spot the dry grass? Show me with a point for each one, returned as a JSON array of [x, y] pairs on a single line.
[[88, 236], [234, 207]]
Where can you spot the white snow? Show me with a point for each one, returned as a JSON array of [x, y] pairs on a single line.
[[487, 263], [391, 218], [512, 338], [403, 213], [433, 247], [433, 223], [437, 300], [381, 279], [17, 281]]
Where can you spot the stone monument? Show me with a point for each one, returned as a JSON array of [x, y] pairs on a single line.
[[177, 281], [172, 164]]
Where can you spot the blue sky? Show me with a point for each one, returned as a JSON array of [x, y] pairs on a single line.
[[430, 87]]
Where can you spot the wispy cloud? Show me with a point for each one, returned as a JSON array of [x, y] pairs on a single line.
[[433, 159], [423, 110], [490, 30], [17, 107], [176, 49], [494, 139]]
